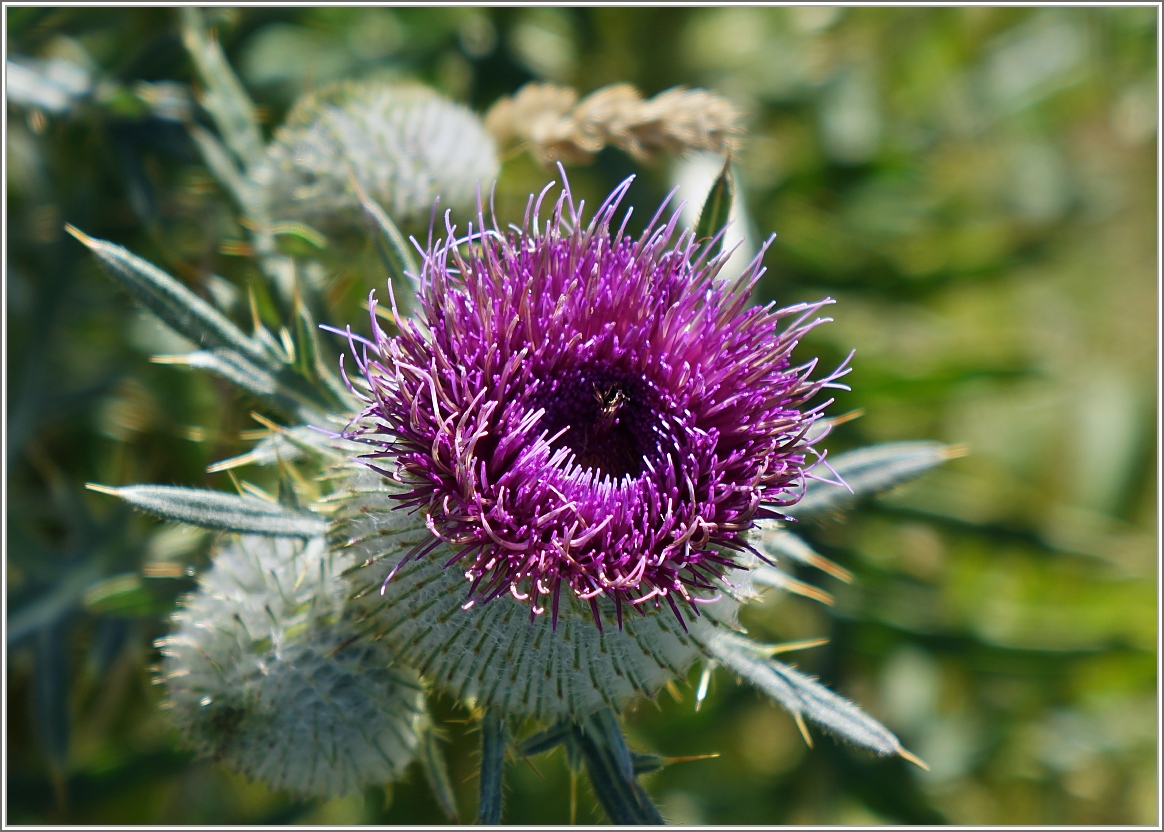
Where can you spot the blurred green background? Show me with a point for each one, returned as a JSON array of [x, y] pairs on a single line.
[[975, 186]]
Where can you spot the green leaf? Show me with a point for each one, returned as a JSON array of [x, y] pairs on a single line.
[[306, 346], [309, 361], [52, 605], [225, 99], [218, 510], [124, 595], [610, 767], [182, 310], [52, 686], [436, 772], [222, 166], [393, 248], [872, 470], [493, 738], [717, 208]]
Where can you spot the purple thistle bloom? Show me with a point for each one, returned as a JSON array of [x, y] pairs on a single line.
[[584, 410]]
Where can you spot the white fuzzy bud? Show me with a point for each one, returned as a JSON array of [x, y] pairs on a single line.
[[404, 143], [264, 674]]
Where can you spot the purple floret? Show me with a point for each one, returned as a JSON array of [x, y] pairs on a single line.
[[579, 409]]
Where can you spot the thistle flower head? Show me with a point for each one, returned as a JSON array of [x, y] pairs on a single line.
[[582, 412]]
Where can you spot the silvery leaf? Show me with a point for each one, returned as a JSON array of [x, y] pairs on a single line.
[[218, 510], [225, 98], [182, 310], [871, 470], [803, 696]]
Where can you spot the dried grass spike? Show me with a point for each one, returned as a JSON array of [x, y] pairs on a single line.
[[558, 127]]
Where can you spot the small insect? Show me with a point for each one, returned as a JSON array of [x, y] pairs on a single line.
[[610, 402]]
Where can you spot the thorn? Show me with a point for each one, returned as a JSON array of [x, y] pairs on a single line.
[[234, 480], [236, 248], [803, 729], [163, 569], [847, 417], [267, 423], [256, 321], [676, 694], [690, 758], [170, 359], [258, 493], [288, 343], [808, 591], [102, 489], [835, 569], [955, 451], [573, 796], [913, 758], [81, 237], [789, 646], [517, 747]]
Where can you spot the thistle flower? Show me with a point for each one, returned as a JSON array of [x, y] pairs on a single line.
[[583, 414]]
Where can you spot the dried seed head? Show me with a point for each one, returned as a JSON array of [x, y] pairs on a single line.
[[558, 127]]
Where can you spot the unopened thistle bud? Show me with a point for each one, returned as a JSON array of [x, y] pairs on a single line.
[[404, 143], [264, 674]]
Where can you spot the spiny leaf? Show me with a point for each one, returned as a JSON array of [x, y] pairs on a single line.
[[872, 470], [436, 772], [287, 444], [286, 391], [218, 510], [219, 162], [778, 542], [393, 247], [309, 361], [124, 595], [182, 310], [717, 208], [225, 98], [803, 696], [228, 364]]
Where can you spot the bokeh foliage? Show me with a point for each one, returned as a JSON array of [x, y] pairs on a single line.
[[975, 186]]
